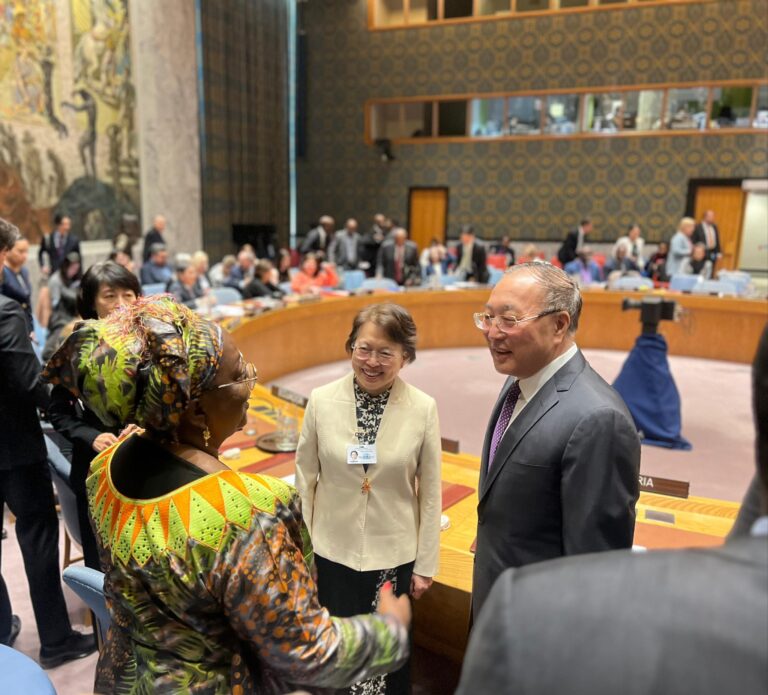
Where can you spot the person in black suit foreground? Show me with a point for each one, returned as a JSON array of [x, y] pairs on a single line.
[[561, 458], [25, 486], [673, 622]]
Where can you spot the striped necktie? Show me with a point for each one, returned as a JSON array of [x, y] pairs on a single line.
[[505, 415]]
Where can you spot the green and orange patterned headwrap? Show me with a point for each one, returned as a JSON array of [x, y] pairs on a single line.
[[142, 364]]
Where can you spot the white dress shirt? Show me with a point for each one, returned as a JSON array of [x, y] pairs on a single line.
[[531, 385]]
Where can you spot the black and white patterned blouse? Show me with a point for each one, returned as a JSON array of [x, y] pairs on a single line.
[[369, 410]]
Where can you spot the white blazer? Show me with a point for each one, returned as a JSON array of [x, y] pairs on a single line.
[[397, 521]]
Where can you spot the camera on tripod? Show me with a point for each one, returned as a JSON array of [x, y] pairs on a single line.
[[653, 310]]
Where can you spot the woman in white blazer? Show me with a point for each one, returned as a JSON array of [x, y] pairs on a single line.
[[368, 471]]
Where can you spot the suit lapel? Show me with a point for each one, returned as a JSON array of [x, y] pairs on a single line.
[[542, 402]]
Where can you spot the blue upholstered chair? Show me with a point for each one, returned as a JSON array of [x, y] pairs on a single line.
[[226, 295], [380, 284], [353, 279], [683, 283], [88, 584], [633, 283], [153, 288], [19, 674], [719, 287]]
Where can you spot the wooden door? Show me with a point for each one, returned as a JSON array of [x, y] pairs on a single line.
[[728, 205], [427, 214]]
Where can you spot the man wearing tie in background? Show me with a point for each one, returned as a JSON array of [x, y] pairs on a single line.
[[707, 233], [561, 458], [55, 246]]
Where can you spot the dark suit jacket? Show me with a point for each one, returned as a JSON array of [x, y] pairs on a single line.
[[185, 295], [385, 263], [564, 479], [567, 251], [21, 438], [479, 261], [48, 250], [18, 291], [672, 622], [700, 237], [151, 237], [315, 242], [339, 251]]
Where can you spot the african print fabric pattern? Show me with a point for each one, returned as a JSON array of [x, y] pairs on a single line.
[[209, 590]]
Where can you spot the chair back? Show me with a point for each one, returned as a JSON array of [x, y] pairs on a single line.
[[739, 278], [153, 288], [60, 470], [718, 287], [19, 674], [226, 295], [633, 283], [88, 584], [380, 284], [683, 283], [494, 275], [353, 279]]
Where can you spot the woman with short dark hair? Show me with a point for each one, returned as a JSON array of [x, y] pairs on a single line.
[[367, 439], [104, 287]]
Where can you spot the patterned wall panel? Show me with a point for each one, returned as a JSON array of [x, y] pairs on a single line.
[[530, 189]]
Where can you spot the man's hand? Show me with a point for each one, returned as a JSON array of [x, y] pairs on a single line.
[[104, 440]]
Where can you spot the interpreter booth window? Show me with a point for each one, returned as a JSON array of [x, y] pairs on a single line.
[[761, 112], [603, 113], [612, 2], [643, 109], [453, 9], [687, 108], [731, 107], [531, 5], [524, 116], [493, 7], [400, 121], [487, 117], [452, 118], [390, 12], [565, 4], [562, 114], [422, 11]]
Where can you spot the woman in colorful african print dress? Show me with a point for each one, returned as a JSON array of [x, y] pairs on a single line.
[[368, 471], [207, 571]]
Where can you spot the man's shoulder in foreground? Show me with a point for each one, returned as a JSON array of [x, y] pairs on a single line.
[[666, 621]]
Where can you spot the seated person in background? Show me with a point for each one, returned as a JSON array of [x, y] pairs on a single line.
[[531, 254], [64, 285], [242, 273], [16, 284], [265, 284], [284, 265], [505, 247], [583, 268], [200, 261], [184, 286], [434, 260], [312, 276], [698, 263], [471, 257], [221, 271], [398, 259], [620, 262], [156, 269], [123, 259], [633, 244], [656, 268], [219, 598], [707, 632]]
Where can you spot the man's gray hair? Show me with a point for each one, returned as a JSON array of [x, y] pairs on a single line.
[[562, 292], [9, 235]]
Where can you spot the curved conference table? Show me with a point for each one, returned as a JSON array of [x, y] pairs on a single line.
[[310, 334]]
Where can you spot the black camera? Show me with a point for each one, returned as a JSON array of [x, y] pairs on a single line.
[[652, 311]]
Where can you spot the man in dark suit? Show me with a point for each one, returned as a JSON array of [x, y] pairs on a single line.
[[672, 622], [574, 241], [561, 458], [25, 486], [346, 251], [319, 238], [153, 236], [398, 259], [472, 258], [707, 233], [57, 245]]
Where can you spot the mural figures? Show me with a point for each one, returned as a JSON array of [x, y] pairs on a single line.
[[47, 66], [33, 170], [87, 143]]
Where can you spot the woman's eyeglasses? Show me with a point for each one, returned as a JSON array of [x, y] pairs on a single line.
[[385, 357], [250, 378]]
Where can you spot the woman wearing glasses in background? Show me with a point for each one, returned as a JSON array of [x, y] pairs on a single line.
[[207, 577], [367, 438]]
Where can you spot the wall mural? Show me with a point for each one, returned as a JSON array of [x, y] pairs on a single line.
[[67, 116]]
